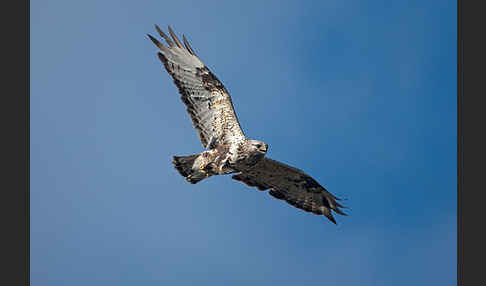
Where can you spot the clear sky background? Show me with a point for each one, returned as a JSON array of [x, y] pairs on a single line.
[[359, 94]]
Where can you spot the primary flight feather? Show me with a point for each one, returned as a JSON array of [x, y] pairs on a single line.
[[229, 151]]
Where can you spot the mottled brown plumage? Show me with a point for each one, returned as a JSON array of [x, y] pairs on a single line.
[[229, 151]]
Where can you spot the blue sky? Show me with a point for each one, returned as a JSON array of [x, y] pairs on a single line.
[[359, 94]]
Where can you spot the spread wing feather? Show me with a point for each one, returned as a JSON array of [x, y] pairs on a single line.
[[291, 185], [207, 100]]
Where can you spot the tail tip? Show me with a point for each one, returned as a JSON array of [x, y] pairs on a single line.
[[179, 167]]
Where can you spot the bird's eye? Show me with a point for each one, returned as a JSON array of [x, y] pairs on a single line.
[[259, 145]]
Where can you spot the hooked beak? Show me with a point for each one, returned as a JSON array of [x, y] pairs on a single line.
[[264, 148]]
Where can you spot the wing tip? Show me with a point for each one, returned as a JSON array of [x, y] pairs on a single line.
[[163, 35], [174, 41], [174, 37], [155, 41], [188, 46], [331, 218]]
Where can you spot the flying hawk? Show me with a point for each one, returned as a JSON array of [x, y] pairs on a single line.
[[228, 150]]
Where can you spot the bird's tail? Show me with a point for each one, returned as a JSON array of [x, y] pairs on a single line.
[[191, 168]]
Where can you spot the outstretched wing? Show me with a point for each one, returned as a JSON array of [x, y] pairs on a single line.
[[207, 100], [293, 186]]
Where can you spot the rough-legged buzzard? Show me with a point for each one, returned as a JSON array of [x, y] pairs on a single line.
[[229, 151]]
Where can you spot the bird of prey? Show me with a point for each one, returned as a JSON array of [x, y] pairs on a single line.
[[228, 150]]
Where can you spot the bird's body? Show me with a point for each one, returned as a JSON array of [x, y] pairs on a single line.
[[221, 160], [229, 151]]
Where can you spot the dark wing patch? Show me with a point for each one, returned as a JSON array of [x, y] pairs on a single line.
[[249, 181], [207, 100], [291, 185]]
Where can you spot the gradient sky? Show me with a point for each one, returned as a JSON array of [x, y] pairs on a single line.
[[361, 95]]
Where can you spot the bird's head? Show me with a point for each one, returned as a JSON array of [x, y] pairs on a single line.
[[258, 147]]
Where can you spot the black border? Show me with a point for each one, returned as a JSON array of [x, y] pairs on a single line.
[[460, 270], [15, 209], [471, 159]]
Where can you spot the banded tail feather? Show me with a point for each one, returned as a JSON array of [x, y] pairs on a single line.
[[190, 167]]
